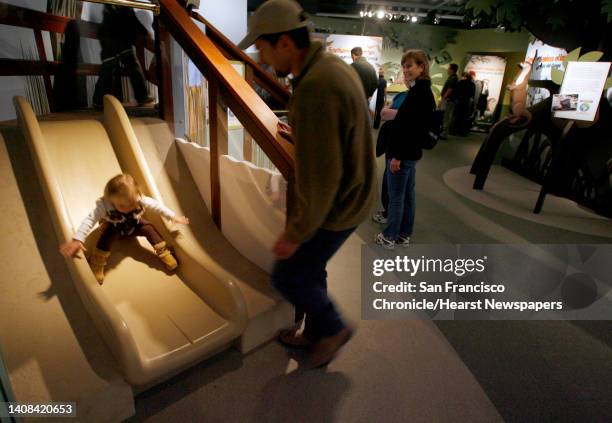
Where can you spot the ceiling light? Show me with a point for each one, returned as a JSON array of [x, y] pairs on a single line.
[[370, 14], [436, 20], [362, 13], [380, 14], [413, 19]]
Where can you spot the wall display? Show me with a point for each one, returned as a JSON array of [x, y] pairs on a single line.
[[581, 90], [490, 72], [341, 46], [548, 58]]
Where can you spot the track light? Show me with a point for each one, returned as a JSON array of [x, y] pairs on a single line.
[[436, 20], [380, 14], [413, 19]]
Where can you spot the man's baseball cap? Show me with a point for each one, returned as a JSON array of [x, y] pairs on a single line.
[[273, 17]]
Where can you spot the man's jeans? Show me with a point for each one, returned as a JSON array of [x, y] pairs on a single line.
[[402, 200], [302, 280]]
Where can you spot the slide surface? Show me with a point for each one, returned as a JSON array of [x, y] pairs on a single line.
[[155, 322]]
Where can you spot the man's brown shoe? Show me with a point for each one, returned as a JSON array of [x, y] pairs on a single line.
[[325, 350], [291, 338]]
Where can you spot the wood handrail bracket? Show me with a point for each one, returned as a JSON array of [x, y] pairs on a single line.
[[234, 91]]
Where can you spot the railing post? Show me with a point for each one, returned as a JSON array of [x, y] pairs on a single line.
[[217, 114], [42, 57], [247, 147], [247, 143]]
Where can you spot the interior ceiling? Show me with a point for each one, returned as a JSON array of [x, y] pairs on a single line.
[[449, 12]]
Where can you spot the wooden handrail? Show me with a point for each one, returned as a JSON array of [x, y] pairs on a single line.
[[261, 77], [234, 91]]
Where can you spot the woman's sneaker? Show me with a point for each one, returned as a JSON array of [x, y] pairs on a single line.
[[404, 241], [379, 217], [386, 243]]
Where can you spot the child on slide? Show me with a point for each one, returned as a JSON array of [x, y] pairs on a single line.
[[120, 212]]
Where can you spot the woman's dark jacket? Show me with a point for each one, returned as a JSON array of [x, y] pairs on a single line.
[[412, 123]]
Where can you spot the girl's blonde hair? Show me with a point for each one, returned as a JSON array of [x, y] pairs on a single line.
[[420, 58], [122, 185]]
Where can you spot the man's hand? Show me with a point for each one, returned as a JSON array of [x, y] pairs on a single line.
[[394, 165], [284, 249], [284, 131], [183, 220], [69, 249]]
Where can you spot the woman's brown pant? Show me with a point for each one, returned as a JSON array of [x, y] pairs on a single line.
[[110, 233]]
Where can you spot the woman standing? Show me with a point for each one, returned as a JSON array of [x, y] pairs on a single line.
[[410, 127]]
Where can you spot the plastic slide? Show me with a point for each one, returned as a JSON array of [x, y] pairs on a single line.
[[244, 186], [155, 323]]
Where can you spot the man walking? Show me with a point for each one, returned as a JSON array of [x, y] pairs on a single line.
[[333, 187], [365, 70], [448, 99]]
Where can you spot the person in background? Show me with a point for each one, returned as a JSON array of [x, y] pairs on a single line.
[[463, 109], [365, 70], [447, 100], [118, 33], [387, 115], [381, 94], [410, 126], [333, 186], [478, 86]]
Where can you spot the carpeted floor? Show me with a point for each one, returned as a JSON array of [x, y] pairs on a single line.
[[416, 371]]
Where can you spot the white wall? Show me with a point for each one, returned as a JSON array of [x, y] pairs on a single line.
[[228, 16]]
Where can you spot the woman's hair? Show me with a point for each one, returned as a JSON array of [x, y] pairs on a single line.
[[122, 185], [420, 58]]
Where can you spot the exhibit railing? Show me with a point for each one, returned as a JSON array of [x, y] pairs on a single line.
[[227, 90], [40, 22]]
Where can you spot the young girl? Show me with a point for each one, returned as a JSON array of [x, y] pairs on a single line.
[[121, 209]]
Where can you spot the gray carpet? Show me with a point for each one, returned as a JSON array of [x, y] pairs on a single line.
[[415, 371]]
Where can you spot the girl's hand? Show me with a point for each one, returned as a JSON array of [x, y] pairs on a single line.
[[69, 249], [394, 165], [183, 220]]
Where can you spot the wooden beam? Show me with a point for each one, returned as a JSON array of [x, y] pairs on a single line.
[[217, 116]]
